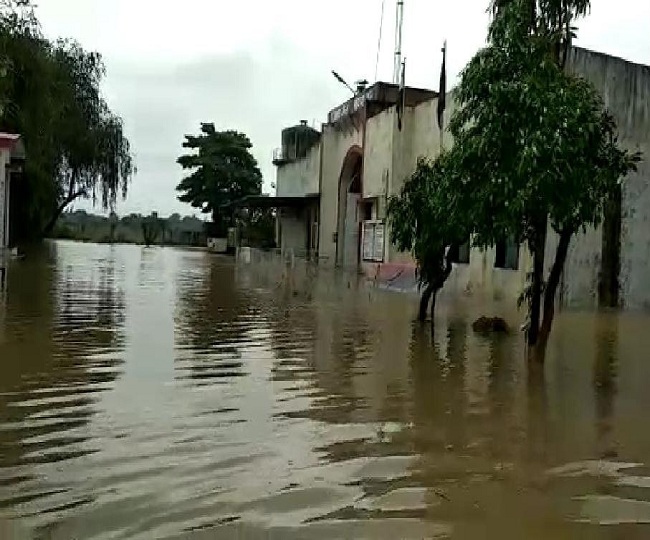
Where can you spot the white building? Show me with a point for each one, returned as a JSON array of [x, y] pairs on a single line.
[[338, 180]]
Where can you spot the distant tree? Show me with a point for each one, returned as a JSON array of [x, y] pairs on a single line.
[[430, 220], [150, 229], [164, 230], [223, 170], [113, 222]]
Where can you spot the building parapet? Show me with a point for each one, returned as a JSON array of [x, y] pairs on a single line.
[[379, 97]]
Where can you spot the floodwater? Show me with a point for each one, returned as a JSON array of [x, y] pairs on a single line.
[[161, 393]]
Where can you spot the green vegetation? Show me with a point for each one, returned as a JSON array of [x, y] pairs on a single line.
[[533, 147], [257, 227], [75, 145], [132, 229], [427, 220], [222, 172]]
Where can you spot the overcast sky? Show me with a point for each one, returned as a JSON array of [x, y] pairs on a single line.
[[260, 65]]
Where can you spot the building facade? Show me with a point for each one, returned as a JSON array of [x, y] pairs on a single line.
[[347, 171], [11, 158]]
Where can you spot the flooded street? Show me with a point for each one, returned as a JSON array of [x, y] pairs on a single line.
[[162, 393]]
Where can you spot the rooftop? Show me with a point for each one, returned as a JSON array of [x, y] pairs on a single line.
[[377, 98]]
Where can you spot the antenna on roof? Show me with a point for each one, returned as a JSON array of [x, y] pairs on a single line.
[[399, 23], [343, 82]]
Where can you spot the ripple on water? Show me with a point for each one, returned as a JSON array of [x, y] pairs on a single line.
[[161, 393]]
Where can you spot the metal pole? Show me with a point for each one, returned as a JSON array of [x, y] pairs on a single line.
[[399, 23], [7, 238], [443, 68], [3, 204]]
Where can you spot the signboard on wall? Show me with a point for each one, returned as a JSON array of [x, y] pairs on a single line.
[[373, 241], [352, 105], [378, 251], [367, 251]]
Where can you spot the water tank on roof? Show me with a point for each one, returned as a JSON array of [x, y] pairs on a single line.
[[297, 140]]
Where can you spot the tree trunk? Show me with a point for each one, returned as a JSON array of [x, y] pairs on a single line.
[[424, 303], [538, 247], [539, 350], [72, 195], [432, 288], [433, 304], [59, 210], [608, 283]]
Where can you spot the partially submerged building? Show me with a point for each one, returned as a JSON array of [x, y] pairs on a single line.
[[12, 154], [333, 187]]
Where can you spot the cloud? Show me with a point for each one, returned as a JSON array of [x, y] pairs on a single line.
[[259, 66], [257, 95]]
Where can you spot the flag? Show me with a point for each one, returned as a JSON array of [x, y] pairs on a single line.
[[442, 93], [401, 96]]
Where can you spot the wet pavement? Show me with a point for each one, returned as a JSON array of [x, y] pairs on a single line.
[[163, 393]]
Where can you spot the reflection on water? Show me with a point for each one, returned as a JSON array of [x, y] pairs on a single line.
[[165, 393]]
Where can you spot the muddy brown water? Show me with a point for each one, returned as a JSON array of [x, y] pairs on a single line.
[[162, 393]]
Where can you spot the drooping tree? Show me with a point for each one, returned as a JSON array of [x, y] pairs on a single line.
[[29, 108], [94, 156], [429, 219], [533, 145], [51, 95], [223, 170]]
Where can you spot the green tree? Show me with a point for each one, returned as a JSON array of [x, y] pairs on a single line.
[[429, 219], [94, 158], [30, 109], [51, 95], [533, 145], [223, 170]]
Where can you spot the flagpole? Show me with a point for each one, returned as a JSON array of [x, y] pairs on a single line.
[[401, 96], [442, 96]]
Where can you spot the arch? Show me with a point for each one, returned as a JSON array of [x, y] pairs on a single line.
[[349, 194]]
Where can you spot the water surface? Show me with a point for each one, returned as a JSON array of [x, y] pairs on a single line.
[[161, 393]]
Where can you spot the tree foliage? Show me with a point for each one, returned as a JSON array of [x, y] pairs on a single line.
[[533, 144], [223, 170], [552, 20], [257, 227], [50, 94], [151, 226], [428, 218], [95, 154]]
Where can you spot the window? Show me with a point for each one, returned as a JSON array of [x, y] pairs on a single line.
[[460, 254], [507, 254], [367, 210]]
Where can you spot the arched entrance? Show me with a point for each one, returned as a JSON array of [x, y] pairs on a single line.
[[349, 221]]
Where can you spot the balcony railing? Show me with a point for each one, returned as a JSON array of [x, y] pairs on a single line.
[[284, 155], [280, 156]]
